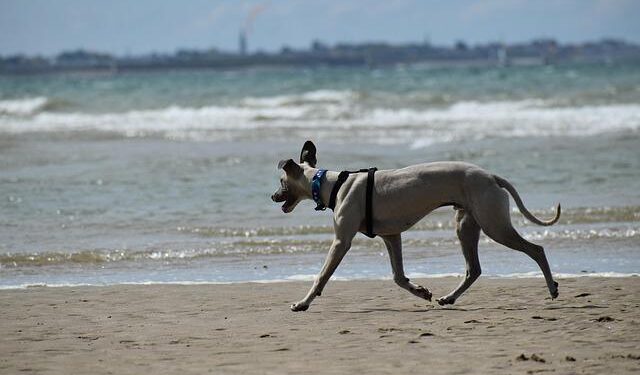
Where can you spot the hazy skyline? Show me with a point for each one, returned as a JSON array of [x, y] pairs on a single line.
[[136, 27]]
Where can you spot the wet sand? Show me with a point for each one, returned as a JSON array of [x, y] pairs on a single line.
[[505, 326]]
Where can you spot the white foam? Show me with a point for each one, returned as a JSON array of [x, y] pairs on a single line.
[[318, 97], [560, 275], [274, 117], [596, 274], [312, 277], [302, 277], [584, 234], [420, 275], [22, 107]]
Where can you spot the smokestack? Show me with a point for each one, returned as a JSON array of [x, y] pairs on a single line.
[[242, 43], [247, 28]]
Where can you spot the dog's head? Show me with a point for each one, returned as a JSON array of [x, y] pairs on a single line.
[[295, 183]]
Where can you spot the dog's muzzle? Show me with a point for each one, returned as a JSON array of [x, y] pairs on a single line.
[[278, 197]]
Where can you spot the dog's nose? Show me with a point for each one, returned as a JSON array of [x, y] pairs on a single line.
[[278, 197]]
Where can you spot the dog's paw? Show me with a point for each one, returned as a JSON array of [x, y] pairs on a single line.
[[554, 293], [298, 306], [422, 293], [445, 301]]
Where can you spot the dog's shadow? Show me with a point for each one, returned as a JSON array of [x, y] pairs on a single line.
[[427, 309], [460, 309], [373, 310]]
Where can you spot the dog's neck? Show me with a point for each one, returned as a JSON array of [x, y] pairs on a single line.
[[326, 186]]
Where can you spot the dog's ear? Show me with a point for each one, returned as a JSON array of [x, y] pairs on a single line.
[[290, 167], [308, 154]]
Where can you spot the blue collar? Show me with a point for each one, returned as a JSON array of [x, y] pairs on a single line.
[[315, 189]]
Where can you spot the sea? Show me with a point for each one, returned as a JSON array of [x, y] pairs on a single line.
[[166, 176]]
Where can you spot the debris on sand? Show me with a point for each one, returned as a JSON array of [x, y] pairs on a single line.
[[604, 319], [534, 357], [537, 358]]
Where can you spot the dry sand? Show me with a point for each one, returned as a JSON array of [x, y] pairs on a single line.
[[500, 326]]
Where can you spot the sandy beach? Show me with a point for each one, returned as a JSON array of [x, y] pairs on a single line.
[[499, 326]]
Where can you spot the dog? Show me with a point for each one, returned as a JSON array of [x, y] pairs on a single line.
[[399, 198]]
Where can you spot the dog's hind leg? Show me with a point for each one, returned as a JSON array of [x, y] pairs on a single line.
[[495, 221], [513, 240], [394, 247], [468, 232]]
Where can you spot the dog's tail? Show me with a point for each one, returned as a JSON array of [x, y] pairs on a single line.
[[506, 185]]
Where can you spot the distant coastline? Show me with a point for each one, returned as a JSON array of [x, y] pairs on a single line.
[[536, 52]]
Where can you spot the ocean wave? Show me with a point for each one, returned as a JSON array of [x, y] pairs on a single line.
[[440, 244], [584, 234], [310, 97], [256, 232], [587, 215], [221, 249], [23, 107], [334, 113], [570, 216], [564, 275], [300, 230]]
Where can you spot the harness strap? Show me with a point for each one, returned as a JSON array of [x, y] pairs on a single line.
[[369, 209], [342, 177]]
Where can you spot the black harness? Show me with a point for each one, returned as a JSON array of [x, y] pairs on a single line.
[[342, 177]]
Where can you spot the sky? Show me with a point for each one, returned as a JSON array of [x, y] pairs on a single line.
[[131, 27]]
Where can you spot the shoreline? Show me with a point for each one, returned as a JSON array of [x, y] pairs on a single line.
[[499, 325], [311, 278]]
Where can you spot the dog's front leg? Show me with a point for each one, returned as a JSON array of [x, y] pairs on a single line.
[[338, 250], [345, 231]]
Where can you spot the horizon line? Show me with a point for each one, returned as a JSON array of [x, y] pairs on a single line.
[[309, 47]]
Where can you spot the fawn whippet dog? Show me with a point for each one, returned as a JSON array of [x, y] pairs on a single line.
[[397, 199]]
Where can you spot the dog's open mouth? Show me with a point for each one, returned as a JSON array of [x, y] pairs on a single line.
[[288, 206]]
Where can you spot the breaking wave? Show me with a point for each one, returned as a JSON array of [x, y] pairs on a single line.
[[23, 107], [439, 244], [312, 97], [331, 113], [436, 221]]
